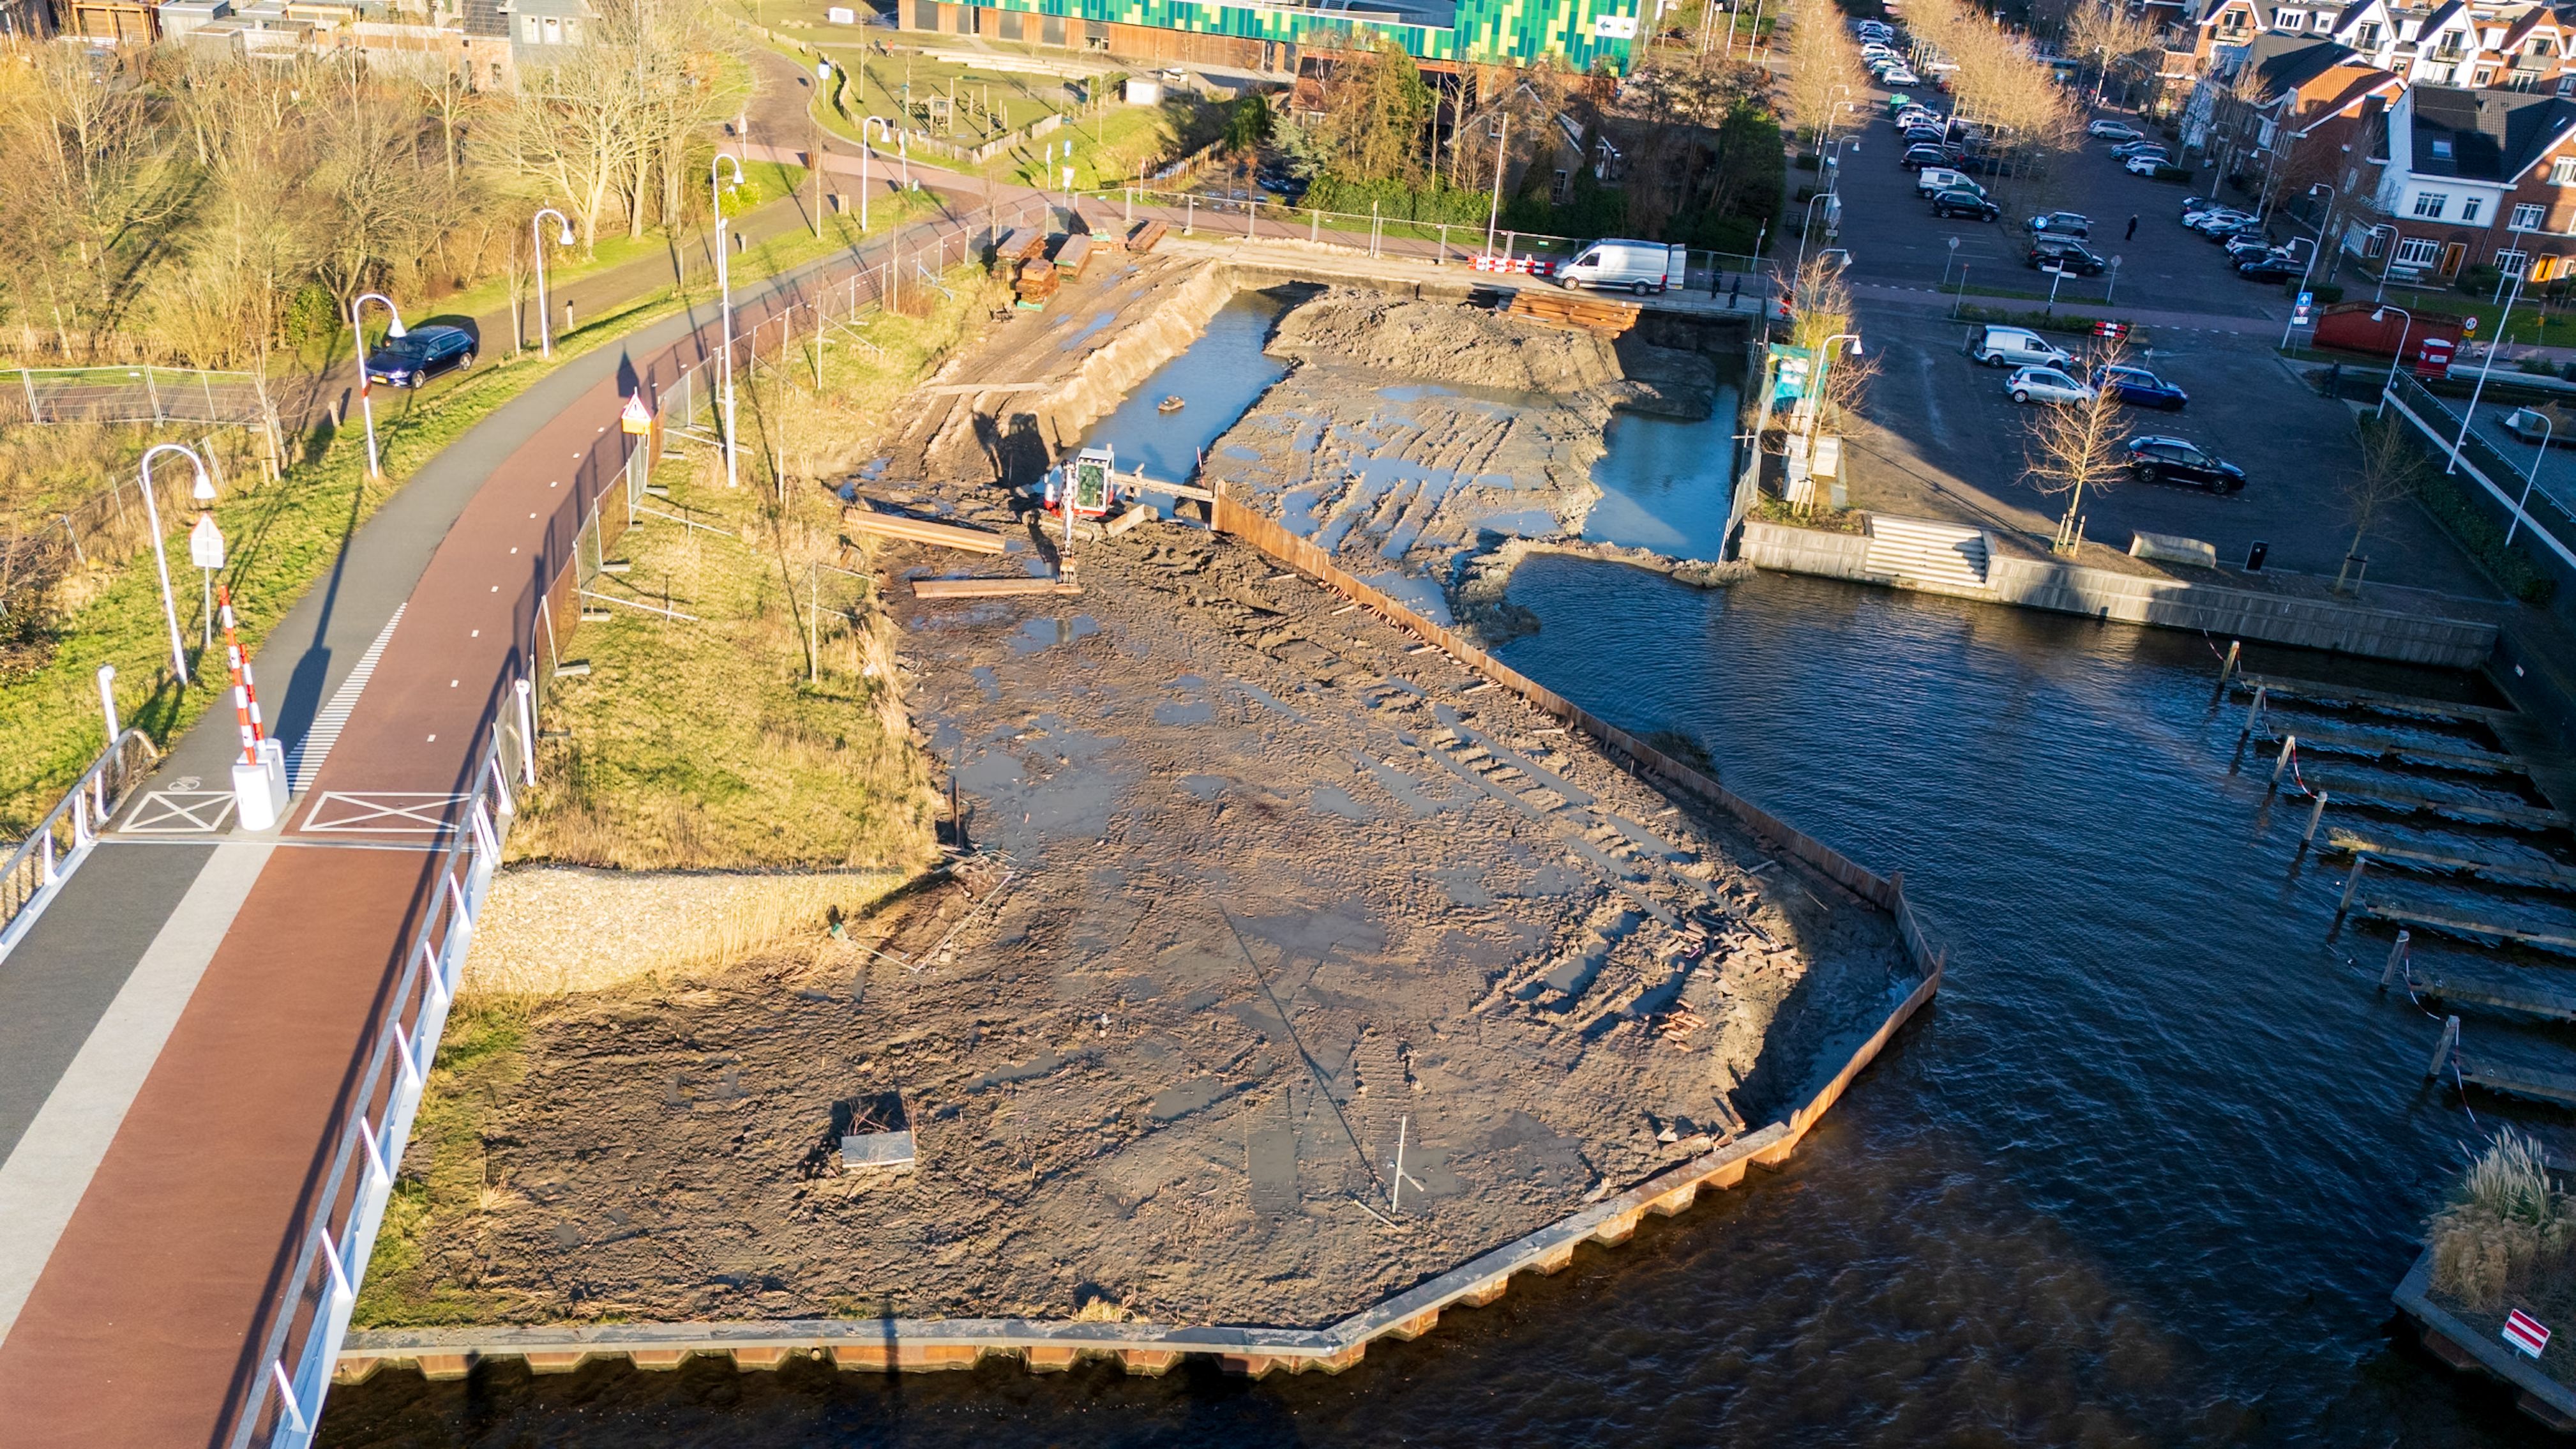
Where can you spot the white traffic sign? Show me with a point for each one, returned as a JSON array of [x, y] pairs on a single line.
[[635, 417], [206, 543], [2525, 1332]]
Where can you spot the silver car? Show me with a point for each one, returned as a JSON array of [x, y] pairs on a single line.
[[2045, 384]]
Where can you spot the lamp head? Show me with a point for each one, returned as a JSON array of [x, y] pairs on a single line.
[[204, 489], [2379, 314], [394, 328], [566, 238], [1855, 347]]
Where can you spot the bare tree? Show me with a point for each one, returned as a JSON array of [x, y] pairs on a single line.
[[2391, 472], [2074, 448], [1820, 309]]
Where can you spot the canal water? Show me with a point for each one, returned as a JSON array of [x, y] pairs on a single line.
[[2144, 1174], [1667, 484]]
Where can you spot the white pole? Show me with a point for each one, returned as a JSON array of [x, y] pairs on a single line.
[[537, 242], [2480, 390], [527, 734], [107, 699], [724, 288], [161, 559]]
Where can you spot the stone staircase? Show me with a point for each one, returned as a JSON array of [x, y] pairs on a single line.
[[1922, 554]]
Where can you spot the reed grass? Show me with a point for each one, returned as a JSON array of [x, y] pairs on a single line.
[[2506, 1226]]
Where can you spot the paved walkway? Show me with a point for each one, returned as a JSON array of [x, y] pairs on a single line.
[[181, 1026]]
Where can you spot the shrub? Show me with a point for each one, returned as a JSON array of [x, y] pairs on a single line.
[[2481, 278], [1808, 161], [2171, 173], [2328, 293], [2460, 516], [2504, 1222]]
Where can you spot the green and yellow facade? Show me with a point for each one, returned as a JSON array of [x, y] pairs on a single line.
[[1584, 34]]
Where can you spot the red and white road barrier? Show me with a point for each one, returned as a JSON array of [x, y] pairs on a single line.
[[245, 691], [1521, 266], [259, 776]]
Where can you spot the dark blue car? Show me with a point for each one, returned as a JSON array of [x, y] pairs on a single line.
[[2140, 388], [418, 356]]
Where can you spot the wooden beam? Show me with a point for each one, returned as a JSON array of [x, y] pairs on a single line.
[[988, 588], [2536, 872], [2457, 925], [922, 530]]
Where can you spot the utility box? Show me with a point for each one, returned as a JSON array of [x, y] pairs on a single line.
[[1142, 92]]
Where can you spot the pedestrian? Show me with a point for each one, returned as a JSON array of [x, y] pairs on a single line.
[[2133, 230]]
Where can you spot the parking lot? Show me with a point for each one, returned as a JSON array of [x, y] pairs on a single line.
[[1946, 441]]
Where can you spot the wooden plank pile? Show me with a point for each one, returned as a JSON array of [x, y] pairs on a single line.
[[1037, 286], [1073, 254], [1145, 235], [1019, 244], [1566, 310]]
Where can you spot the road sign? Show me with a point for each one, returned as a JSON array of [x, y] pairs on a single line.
[[2525, 1333], [2299, 314], [1793, 366], [2113, 331], [206, 543], [635, 417]]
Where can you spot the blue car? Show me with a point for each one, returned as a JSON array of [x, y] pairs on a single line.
[[2140, 388], [419, 355]]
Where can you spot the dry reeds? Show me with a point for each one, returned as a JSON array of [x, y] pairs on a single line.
[[2506, 1224]]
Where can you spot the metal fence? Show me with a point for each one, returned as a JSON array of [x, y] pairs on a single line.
[[311, 1316], [60, 841], [2541, 516], [137, 394]]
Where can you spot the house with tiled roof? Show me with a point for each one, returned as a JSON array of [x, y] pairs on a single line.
[[2303, 105], [2462, 178]]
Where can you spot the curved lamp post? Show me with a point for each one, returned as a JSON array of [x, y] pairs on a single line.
[[2309, 270], [537, 242], [2380, 314], [724, 286], [2530, 480], [365, 404], [160, 558]]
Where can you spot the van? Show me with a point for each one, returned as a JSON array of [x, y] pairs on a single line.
[[2014, 347], [1635, 266], [1933, 180]]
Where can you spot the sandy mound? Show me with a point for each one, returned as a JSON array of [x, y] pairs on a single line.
[[1443, 342]]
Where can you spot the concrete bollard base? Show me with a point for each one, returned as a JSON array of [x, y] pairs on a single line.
[[259, 790]]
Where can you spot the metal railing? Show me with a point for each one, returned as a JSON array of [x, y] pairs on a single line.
[[2542, 516], [349, 1202], [64, 836], [137, 394]]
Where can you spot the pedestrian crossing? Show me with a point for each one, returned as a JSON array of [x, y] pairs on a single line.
[[304, 759]]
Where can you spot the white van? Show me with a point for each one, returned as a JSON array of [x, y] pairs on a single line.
[[1635, 266], [2015, 347], [1933, 180]]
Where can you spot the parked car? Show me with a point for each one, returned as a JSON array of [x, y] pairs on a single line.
[[1925, 136], [1899, 76], [2115, 131], [1933, 180], [2140, 388], [1984, 163], [2274, 266], [2060, 223], [2045, 384], [2243, 249], [2231, 229], [419, 355], [2146, 163], [1960, 201], [2051, 254], [1918, 157], [2160, 460], [1999, 346]]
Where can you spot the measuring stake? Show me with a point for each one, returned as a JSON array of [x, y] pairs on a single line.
[[1395, 1189]]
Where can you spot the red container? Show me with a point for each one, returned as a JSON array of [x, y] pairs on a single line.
[[2348, 326], [2433, 357]]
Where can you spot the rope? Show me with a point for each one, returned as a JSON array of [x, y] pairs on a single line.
[[2406, 978]]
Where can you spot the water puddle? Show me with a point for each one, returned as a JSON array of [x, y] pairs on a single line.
[[1039, 634], [1666, 484], [1216, 378], [1089, 330]]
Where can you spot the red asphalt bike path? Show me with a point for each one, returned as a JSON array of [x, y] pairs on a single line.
[[151, 1321]]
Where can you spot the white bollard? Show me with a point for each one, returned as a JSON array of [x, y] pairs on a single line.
[[259, 788], [107, 699]]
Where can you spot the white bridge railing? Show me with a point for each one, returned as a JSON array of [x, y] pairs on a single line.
[[37, 866]]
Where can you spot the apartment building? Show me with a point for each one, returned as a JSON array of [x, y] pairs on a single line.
[[2477, 46], [2462, 178]]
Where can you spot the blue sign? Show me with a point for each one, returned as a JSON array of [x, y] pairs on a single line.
[[2299, 314]]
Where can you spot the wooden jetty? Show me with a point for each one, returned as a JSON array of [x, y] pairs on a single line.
[[2318, 691], [2532, 873], [2526, 816], [2400, 750], [2498, 996], [2461, 926], [2529, 1083]]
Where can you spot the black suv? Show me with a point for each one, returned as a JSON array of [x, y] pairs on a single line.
[[1960, 201], [2049, 253], [2172, 460], [419, 355]]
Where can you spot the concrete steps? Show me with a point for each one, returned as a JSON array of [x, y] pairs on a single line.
[[1921, 552]]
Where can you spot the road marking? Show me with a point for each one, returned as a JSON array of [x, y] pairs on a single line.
[[42, 1182], [181, 812], [383, 812], [304, 762]]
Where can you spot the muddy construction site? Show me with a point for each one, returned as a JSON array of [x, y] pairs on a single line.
[[1258, 896]]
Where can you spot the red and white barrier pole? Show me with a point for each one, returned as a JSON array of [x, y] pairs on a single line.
[[259, 776]]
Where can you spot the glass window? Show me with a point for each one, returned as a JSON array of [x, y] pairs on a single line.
[[2415, 251], [2510, 262], [2526, 218], [2429, 204], [2470, 207]]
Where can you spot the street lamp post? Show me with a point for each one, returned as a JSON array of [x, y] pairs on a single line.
[[2381, 291], [366, 405], [1807, 222], [206, 550], [1502, 148], [160, 558], [2480, 390], [2530, 480], [537, 242], [2380, 314], [724, 289], [2310, 269]]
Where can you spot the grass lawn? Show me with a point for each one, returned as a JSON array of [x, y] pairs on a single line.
[[724, 743], [2535, 322], [283, 535]]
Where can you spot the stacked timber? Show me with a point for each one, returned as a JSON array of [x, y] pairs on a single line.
[[1564, 309], [1073, 254], [1019, 244], [865, 519], [1145, 235], [1039, 282]]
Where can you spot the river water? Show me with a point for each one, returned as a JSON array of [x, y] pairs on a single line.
[[2144, 1174]]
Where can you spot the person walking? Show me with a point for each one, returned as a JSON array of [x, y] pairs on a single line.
[[2133, 230]]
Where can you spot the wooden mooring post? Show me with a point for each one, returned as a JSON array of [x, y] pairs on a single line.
[[2397, 955], [2351, 884], [2253, 715], [2227, 670], [2442, 1051], [2315, 814], [2289, 747]]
